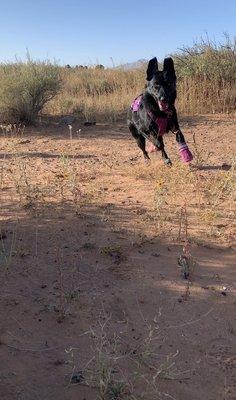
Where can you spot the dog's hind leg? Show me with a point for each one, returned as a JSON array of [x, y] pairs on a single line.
[[159, 143], [139, 139], [161, 146]]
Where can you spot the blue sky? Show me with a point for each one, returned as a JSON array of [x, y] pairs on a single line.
[[88, 32]]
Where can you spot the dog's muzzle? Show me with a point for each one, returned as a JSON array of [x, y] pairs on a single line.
[[163, 105]]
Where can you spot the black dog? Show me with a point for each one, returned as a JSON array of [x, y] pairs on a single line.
[[153, 113]]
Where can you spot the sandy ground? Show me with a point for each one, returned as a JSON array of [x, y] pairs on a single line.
[[91, 293]]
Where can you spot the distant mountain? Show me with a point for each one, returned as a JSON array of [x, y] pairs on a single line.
[[134, 65]]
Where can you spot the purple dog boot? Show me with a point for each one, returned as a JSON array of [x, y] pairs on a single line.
[[185, 153]]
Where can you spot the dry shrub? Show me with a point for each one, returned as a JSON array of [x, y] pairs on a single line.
[[25, 88]]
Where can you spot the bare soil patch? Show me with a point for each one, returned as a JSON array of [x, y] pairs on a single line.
[[93, 304]]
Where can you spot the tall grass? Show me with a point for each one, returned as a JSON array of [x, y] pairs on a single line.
[[95, 93], [207, 77], [206, 83]]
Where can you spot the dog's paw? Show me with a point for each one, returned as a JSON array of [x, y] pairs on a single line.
[[185, 153], [167, 161], [147, 159]]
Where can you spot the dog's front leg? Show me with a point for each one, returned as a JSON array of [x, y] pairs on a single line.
[[184, 151], [174, 126]]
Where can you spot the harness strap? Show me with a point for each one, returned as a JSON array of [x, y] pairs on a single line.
[[161, 122], [135, 106]]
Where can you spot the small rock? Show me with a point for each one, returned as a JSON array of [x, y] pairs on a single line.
[[89, 123], [180, 300], [60, 319], [3, 235], [77, 377], [225, 167], [59, 362], [24, 141], [156, 254]]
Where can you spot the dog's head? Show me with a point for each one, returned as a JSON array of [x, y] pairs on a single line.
[[162, 84]]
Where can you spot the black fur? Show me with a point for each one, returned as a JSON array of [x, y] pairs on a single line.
[[158, 100]]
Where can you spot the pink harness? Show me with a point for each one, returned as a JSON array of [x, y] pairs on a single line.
[[135, 106], [161, 122]]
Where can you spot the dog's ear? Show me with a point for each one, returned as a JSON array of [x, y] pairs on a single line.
[[152, 68], [168, 66]]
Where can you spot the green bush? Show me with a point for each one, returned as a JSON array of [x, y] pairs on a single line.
[[25, 88]]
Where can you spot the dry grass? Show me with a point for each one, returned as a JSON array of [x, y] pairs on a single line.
[[133, 374], [184, 200], [206, 84], [96, 94], [67, 184]]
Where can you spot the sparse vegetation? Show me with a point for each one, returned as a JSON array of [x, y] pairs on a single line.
[[173, 192], [206, 76], [110, 232]]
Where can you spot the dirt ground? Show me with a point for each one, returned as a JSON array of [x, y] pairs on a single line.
[[93, 304]]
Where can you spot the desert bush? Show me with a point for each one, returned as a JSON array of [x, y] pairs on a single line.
[[25, 88]]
